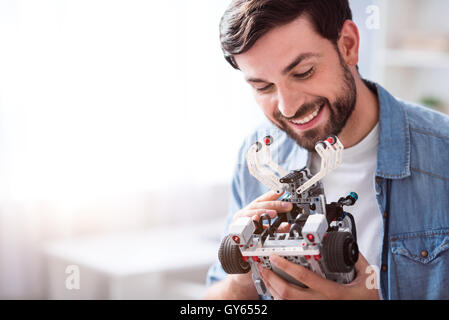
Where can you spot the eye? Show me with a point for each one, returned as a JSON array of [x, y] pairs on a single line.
[[304, 75], [265, 89]]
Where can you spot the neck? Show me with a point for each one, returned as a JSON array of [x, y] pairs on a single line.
[[364, 117]]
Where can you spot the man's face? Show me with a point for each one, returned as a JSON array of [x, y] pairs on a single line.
[[301, 82]]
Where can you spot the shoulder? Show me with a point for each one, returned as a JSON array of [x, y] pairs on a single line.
[[429, 140], [425, 121]]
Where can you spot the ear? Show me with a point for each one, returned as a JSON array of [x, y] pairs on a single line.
[[348, 43]]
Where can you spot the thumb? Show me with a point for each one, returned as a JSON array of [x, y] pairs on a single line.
[[269, 196], [361, 265]]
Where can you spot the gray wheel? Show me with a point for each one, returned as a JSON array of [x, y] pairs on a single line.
[[340, 252], [231, 258]]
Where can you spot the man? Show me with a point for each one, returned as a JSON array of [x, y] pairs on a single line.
[[300, 59]]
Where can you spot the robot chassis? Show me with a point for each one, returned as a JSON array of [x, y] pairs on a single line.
[[322, 237]]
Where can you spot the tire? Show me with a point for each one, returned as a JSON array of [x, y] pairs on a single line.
[[231, 258], [340, 252]]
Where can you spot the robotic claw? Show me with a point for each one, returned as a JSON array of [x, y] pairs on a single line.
[[321, 237]]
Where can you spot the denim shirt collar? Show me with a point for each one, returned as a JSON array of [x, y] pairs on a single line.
[[393, 155]]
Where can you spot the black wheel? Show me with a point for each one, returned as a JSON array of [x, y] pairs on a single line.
[[340, 251], [231, 258]]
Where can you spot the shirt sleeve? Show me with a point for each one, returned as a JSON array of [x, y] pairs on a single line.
[[216, 272]]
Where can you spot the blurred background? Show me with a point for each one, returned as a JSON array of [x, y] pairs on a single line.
[[120, 123]]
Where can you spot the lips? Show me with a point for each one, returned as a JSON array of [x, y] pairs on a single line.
[[308, 118], [308, 121]]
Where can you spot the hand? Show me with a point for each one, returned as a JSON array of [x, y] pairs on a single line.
[[319, 287], [265, 204]]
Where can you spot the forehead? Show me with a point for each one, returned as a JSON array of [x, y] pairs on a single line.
[[278, 47]]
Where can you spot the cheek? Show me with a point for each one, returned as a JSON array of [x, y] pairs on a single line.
[[267, 103], [326, 83]]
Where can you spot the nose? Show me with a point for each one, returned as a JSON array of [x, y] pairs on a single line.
[[289, 101]]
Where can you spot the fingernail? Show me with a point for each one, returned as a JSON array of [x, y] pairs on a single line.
[[286, 204], [271, 213], [274, 259]]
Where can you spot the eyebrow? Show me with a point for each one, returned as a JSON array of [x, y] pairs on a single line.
[[294, 63], [256, 80], [298, 60]]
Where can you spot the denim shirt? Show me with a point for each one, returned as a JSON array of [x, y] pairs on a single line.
[[412, 191]]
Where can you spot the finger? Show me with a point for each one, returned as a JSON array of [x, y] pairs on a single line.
[[366, 275], [271, 213], [268, 277], [305, 276], [270, 195], [366, 282], [273, 292], [282, 290], [264, 276], [256, 213], [279, 206], [283, 228], [362, 264]]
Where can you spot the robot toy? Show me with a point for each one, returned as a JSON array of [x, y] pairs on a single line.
[[321, 237]]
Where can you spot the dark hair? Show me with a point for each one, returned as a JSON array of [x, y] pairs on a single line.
[[245, 21]]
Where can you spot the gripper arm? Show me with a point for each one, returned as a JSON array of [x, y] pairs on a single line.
[[260, 171], [330, 151]]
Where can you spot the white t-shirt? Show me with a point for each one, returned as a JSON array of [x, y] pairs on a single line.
[[356, 173]]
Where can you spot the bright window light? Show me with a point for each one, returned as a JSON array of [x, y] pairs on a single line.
[[112, 97]]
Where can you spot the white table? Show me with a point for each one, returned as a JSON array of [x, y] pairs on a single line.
[[160, 263]]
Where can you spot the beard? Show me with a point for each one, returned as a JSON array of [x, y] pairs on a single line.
[[339, 112]]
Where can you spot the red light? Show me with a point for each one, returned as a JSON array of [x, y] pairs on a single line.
[[317, 257], [308, 257], [256, 259], [245, 258], [236, 239], [268, 140], [311, 237], [330, 140]]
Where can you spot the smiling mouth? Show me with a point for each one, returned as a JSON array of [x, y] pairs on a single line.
[[309, 117]]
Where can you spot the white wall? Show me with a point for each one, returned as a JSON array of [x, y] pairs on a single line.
[[115, 115]]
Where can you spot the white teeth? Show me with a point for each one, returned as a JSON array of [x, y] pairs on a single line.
[[308, 118]]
